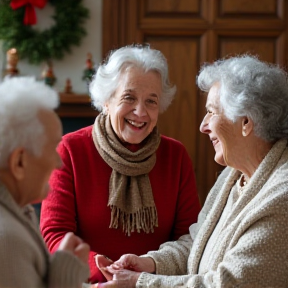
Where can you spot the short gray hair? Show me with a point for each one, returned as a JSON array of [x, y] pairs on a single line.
[[252, 88], [106, 79], [21, 98]]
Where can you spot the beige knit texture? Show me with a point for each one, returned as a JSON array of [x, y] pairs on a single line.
[[251, 249]]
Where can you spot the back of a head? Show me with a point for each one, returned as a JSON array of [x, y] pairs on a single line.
[[107, 76], [21, 98]]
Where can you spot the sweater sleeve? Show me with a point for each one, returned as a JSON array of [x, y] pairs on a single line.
[[58, 211], [66, 271], [257, 258], [188, 206], [172, 257]]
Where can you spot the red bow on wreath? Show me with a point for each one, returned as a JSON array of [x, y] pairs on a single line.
[[30, 14]]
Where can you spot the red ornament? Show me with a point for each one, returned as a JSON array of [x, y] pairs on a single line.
[[30, 14]]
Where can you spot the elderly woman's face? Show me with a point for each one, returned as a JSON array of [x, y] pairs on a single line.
[[134, 108], [225, 135]]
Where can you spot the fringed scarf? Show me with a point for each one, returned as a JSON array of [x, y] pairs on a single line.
[[130, 193]]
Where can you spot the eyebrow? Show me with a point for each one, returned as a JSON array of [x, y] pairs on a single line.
[[133, 90]]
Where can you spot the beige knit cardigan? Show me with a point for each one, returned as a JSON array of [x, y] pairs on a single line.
[[24, 259], [252, 250]]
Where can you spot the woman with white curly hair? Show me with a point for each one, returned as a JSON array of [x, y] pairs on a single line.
[[240, 239], [123, 187]]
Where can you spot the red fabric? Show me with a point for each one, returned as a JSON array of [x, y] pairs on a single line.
[[30, 14], [79, 196]]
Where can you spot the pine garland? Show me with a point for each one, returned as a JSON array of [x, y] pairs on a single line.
[[53, 43]]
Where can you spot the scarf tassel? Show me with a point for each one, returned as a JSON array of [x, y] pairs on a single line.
[[145, 218]]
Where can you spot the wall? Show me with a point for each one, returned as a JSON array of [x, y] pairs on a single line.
[[72, 65]]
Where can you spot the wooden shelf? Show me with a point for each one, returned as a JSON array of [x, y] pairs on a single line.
[[76, 105]]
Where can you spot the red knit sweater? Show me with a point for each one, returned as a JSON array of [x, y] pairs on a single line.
[[79, 195]]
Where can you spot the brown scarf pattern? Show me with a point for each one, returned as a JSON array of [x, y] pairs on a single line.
[[130, 193]]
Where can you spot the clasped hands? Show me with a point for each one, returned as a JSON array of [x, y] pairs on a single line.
[[124, 272]]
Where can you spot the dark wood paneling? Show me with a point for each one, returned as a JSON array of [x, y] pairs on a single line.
[[180, 51], [236, 7], [172, 6]]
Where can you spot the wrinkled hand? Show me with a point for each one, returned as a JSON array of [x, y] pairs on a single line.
[[121, 279], [135, 263], [75, 245], [102, 262]]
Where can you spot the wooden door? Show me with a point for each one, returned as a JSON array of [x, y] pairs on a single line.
[[189, 33]]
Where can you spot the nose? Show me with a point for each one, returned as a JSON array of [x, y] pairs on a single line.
[[140, 109], [204, 126]]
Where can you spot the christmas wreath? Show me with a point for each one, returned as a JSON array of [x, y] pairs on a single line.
[[16, 28]]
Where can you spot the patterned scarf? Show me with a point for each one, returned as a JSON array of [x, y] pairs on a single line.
[[130, 193]]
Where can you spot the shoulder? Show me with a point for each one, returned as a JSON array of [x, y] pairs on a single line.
[[171, 145], [76, 140], [80, 134], [172, 151], [13, 232]]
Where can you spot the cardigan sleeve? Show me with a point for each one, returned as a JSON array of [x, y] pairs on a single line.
[[257, 256], [58, 211], [66, 271]]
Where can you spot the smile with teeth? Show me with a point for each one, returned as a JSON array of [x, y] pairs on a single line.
[[136, 124]]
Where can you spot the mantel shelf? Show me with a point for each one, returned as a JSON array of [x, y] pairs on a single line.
[[75, 105]]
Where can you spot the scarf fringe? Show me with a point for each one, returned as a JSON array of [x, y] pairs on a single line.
[[145, 218]]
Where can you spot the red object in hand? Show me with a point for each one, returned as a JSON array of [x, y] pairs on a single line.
[[30, 14]]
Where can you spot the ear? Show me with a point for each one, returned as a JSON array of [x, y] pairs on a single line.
[[247, 126], [17, 163]]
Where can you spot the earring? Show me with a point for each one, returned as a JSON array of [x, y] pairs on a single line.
[[244, 131]]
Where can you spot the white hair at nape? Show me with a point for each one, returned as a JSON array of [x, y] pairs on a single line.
[[106, 79], [21, 98]]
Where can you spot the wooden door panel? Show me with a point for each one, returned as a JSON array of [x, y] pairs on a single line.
[[181, 54], [265, 48], [236, 7], [190, 6]]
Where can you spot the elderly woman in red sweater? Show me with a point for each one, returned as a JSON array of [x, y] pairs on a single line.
[[123, 187]]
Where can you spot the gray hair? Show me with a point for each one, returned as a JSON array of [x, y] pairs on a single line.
[[21, 98], [106, 79], [251, 88]]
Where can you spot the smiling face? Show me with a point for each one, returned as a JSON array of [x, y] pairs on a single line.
[[225, 135], [134, 108]]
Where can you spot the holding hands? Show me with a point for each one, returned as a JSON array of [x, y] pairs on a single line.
[[124, 272]]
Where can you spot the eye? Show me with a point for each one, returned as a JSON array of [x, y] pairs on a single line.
[[152, 102], [129, 98]]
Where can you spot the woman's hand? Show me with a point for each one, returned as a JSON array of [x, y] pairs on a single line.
[[102, 262], [135, 263], [75, 245], [121, 279]]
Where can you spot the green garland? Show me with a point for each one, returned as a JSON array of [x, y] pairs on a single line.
[[52, 43]]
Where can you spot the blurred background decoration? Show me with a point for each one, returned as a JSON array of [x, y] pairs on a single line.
[[17, 31]]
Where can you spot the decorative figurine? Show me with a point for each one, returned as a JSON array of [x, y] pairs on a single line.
[[48, 74], [12, 61], [68, 87], [89, 70]]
